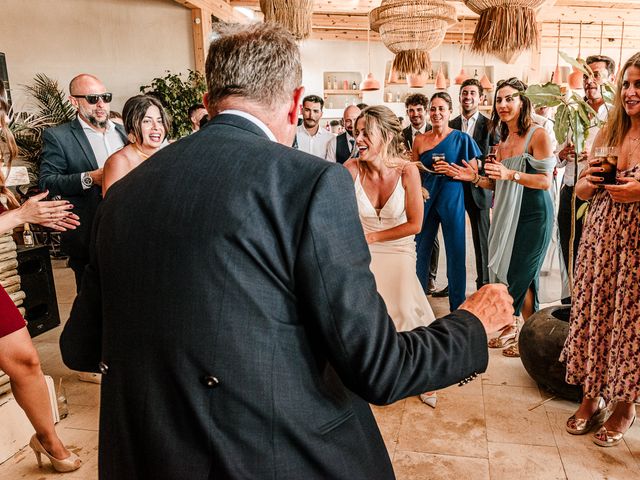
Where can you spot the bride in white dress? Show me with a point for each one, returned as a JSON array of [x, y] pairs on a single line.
[[391, 204]]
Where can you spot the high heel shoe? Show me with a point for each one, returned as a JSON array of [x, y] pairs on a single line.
[[610, 438], [69, 464], [429, 398], [580, 426]]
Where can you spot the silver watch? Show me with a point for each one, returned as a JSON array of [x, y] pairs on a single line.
[[516, 177], [87, 181]]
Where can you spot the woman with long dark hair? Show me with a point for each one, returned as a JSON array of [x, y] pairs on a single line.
[[18, 357], [523, 211]]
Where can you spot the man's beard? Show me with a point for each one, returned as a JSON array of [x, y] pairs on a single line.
[[313, 123], [96, 123]]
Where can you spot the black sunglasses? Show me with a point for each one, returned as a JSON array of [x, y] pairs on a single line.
[[94, 98]]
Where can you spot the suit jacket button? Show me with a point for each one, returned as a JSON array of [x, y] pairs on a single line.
[[103, 367], [210, 381]]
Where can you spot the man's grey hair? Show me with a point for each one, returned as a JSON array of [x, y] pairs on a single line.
[[260, 62]]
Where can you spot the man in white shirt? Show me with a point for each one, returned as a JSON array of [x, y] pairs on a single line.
[[341, 147], [416, 105], [309, 136], [603, 69]]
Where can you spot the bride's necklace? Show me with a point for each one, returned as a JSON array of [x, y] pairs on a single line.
[[142, 155]]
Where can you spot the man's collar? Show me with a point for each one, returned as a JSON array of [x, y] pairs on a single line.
[[253, 119], [474, 116], [415, 130]]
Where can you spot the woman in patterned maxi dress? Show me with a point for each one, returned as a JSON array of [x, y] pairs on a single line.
[[602, 351]]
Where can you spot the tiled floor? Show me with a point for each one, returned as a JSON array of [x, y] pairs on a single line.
[[484, 430]]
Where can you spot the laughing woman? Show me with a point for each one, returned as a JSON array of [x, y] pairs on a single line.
[[147, 126]]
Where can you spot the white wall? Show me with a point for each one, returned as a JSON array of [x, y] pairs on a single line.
[[124, 42]]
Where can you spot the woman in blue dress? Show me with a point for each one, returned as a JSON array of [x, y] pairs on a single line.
[[445, 205], [523, 213]]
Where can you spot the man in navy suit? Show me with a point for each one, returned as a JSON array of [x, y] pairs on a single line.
[[233, 313], [477, 201], [342, 146], [72, 158]]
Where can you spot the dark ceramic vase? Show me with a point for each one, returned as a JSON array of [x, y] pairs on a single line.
[[541, 340]]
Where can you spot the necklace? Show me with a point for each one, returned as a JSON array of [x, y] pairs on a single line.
[[142, 155]]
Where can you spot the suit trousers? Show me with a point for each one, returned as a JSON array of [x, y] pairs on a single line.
[[480, 222], [564, 226]]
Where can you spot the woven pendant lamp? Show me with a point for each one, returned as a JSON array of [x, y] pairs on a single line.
[[575, 78], [410, 28], [504, 26], [294, 15]]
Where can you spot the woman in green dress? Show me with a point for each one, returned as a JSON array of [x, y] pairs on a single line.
[[523, 213]]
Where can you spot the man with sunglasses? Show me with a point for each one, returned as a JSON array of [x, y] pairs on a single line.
[[72, 158]]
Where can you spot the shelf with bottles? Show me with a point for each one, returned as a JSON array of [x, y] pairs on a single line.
[[342, 83]]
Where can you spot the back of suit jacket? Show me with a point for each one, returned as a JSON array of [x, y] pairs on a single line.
[[237, 314], [66, 154]]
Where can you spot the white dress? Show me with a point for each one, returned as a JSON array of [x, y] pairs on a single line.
[[393, 262]]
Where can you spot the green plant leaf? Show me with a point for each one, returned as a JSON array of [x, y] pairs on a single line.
[[582, 210], [577, 63], [548, 95], [561, 123]]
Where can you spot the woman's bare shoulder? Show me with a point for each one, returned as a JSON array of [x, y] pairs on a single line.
[[123, 157]]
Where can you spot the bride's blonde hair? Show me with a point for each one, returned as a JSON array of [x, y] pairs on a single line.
[[382, 121], [6, 137]]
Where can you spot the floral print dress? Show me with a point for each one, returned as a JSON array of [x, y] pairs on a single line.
[[602, 351]]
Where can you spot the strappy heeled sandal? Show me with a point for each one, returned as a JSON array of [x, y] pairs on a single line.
[[505, 339]]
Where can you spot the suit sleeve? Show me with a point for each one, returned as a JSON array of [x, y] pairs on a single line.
[[331, 149], [81, 339], [54, 166], [338, 296]]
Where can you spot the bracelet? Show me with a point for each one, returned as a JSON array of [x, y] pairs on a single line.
[[476, 179]]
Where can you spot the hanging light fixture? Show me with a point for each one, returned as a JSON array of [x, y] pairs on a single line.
[[575, 79], [485, 83], [369, 83], [556, 74], [410, 28], [441, 80], [504, 26], [462, 76]]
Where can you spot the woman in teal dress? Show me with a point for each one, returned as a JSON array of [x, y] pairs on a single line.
[[523, 213]]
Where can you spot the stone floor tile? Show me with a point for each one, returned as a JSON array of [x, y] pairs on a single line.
[[508, 461], [455, 427], [506, 371], [509, 419], [425, 466], [389, 419]]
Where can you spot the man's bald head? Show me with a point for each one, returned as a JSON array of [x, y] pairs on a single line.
[[349, 117], [95, 114]]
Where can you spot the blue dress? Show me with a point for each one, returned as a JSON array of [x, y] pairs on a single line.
[[446, 206]]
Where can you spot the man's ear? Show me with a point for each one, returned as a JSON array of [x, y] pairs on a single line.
[[73, 101], [294, 108]]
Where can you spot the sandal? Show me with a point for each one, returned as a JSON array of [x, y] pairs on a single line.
[[504, 339], [512, 351]]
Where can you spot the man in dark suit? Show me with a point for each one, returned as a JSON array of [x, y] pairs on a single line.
[[477, 201], [341, 147], [239, 330], [417, 106], [72, 158]]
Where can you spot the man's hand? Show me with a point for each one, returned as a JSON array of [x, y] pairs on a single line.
[[96, 176], [493, 305]]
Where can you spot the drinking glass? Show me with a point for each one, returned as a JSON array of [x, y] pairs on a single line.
[[436, 158], [607, 158]]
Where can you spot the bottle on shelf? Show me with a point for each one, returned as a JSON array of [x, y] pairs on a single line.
[[328, 84], [398, 97], [27, 236], [475, 74], [354, 86], [345, 84], [389, 97], [335, 83]]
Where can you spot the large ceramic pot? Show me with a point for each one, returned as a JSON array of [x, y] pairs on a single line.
[[541, 341]]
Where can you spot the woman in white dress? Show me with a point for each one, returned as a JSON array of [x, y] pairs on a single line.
[[391, 202]]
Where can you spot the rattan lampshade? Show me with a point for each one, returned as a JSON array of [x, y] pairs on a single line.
[[504, 26], [294, 15], [410, 28]]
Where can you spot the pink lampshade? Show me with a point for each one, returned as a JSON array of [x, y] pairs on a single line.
[[556, 75], [441, 81], [417, 80], [575, 79], [462, 76], [485, 82], [370, 83]]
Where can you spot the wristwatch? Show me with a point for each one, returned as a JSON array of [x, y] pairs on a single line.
[[516, 177], [87, 181]]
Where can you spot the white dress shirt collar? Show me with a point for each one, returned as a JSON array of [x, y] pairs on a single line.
[[253, 119]]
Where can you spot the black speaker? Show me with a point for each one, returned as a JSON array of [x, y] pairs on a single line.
[[36, 276], [4, 76]]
